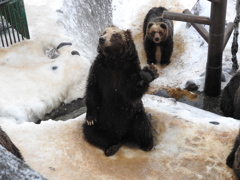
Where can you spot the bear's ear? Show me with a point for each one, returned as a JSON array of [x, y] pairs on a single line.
[[128, 34], [150, 25], [164, 26]]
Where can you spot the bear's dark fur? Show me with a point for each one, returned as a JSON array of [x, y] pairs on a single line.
[[230, 100], [158, 33], [115, 113], [6, 142], [233, 159]]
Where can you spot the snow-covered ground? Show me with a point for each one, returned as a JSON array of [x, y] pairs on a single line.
[[33, 84]]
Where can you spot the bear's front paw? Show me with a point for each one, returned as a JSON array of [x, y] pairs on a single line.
[[90, 122], [165, 63], [149, 73]]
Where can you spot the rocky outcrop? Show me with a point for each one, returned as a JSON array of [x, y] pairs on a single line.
[[14, 168]]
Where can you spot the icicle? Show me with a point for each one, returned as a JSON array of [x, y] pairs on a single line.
[[234, 48]]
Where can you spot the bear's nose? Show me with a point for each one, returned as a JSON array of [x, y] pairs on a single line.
[[101, 40], [157, 39]]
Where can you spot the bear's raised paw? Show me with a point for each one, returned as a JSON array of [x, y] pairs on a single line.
[[149, 73]]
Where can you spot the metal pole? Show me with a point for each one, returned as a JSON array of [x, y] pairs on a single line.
[[215, 49]]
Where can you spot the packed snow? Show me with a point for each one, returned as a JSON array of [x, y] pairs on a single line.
[[32, 85]]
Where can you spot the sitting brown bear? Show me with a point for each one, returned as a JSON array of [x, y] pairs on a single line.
[[115, 113]]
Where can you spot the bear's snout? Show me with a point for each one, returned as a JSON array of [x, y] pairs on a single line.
[[157, 39], [101, 40]]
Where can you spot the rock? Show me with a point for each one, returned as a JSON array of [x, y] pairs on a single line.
[[191, 85], [162, 93], [74, 52], [70, 110], [14, 168]]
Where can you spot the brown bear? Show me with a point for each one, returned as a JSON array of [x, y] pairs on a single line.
[[158, 37], [230, 99], [116, 83]]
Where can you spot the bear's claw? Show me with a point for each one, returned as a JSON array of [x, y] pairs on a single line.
[[150, 72], [90, 122], [154, 70]]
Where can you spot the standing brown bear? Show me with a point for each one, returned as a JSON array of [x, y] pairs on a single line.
[[158, 37], [115, 113]]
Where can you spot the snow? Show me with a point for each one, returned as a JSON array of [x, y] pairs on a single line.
[[33, 84]]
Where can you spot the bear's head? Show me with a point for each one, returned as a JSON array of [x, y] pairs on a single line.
[[114, 42], [157, 31]]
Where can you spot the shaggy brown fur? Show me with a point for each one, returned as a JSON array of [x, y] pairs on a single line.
[[158, 36], [116, 83]]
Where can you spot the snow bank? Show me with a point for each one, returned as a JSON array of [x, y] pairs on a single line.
[[34, 85]]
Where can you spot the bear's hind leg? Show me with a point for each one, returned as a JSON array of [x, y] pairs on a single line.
[[104, 142], [141, 131]]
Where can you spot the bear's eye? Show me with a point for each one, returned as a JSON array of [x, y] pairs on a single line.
[[153, 33], [114, 36]]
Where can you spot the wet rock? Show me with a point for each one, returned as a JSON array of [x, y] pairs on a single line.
[[214, 122], [191, 85], [52, 52], [75, 53], [54, 67], [162, 93], [67, 111], [14, 168]]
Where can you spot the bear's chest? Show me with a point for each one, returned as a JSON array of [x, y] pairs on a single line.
[[112, 81]]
